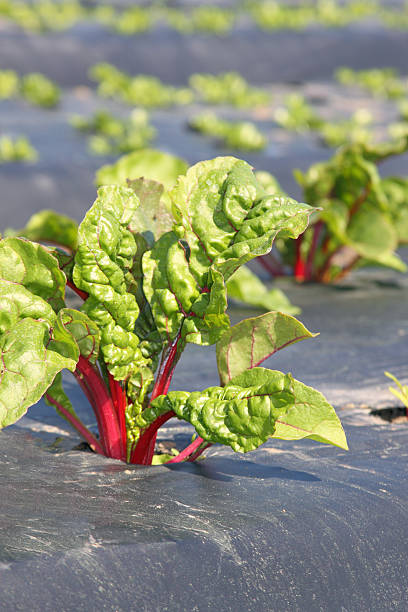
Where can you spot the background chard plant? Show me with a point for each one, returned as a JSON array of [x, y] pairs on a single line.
[[362, 220], [151, 282]]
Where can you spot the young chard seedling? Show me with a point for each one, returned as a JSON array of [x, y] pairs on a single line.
[[152, 282]]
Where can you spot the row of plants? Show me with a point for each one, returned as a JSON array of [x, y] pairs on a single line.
[[46, 15], [33, 87], [225, 88]]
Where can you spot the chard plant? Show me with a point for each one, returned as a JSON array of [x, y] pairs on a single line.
[[362, 219], [17, 149], [152, 282], [380, 82], [236, 135], [227, 88], [33, 87], [140, 90], [109, 135], [297, 115]]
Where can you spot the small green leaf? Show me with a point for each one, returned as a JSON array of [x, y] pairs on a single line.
[[33, 267], [253, 340], [49, 226]]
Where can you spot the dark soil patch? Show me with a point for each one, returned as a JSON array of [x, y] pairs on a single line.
[[391, 414]]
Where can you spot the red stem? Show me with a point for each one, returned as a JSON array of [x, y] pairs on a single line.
[[299, 269], [140, 454], [144, 451], [119, 402], [92, 400], [82, 294], [76, 423], [166, 370], [191, 449], [109, 426], [199, 452], [317, 229]]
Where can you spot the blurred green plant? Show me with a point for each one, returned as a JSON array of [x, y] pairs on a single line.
[[16, 150], [110, 135], [236, 135], [297, 115], [34, 87], [227, 88], [381, 82], [141, 90]]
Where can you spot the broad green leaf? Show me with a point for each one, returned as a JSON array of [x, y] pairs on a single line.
[[106, 249], [253, 407], [84, 331], [34, 348], [244, 286], [49, 226], [33, 267], [148, 163], [247, 344], [218, 214]]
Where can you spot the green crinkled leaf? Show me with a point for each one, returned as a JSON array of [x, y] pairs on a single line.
[[34, 347], [177, 302], [49, 226], [253, 407], [247, 344], [33, 267], [106, 249], [219, 215], [244, 286], [85, 332]]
